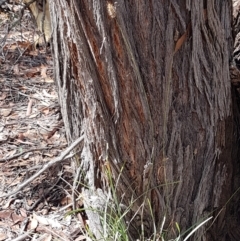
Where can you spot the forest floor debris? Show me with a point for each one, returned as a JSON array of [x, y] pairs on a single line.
[[31, 135]]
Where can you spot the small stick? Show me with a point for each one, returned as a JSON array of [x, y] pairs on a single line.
[[29, 108], [23, 236], [46, 167], [74, 188], [24, 152]]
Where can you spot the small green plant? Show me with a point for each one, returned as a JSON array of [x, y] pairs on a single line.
[[112, 218], [193, 229]]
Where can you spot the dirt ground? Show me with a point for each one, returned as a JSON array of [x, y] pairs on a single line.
[[31, 134]]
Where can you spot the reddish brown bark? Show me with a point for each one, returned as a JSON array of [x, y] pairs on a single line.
[[148, 84]]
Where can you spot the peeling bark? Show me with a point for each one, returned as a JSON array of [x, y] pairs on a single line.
[[148, 84]]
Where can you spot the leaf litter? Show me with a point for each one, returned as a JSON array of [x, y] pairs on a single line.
[[31, 134]]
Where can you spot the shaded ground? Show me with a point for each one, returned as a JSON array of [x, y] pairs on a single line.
[[31, 134]]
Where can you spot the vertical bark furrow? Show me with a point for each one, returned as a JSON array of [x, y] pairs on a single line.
[[149, 82]]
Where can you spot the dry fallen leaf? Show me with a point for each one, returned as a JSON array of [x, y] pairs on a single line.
[[48, 238], [3, 236], [45, 110], [66, 200], [10, 215], [5, 112], [23, 212], [17, 218], [3, 137], [5, 214], [44, 71], [3, 95], [21, 136], [182, 39], [8, 203], [33, 224], [16, 69], [30, 73], [47, 221]]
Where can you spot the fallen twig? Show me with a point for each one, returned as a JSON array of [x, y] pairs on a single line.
[[23, 236], [46, 167], [24, 152], [74, 188]]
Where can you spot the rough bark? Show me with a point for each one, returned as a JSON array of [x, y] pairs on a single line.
[[148, 84], [40, 11]]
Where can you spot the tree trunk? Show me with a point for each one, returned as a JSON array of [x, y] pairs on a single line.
[[148, 84]]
